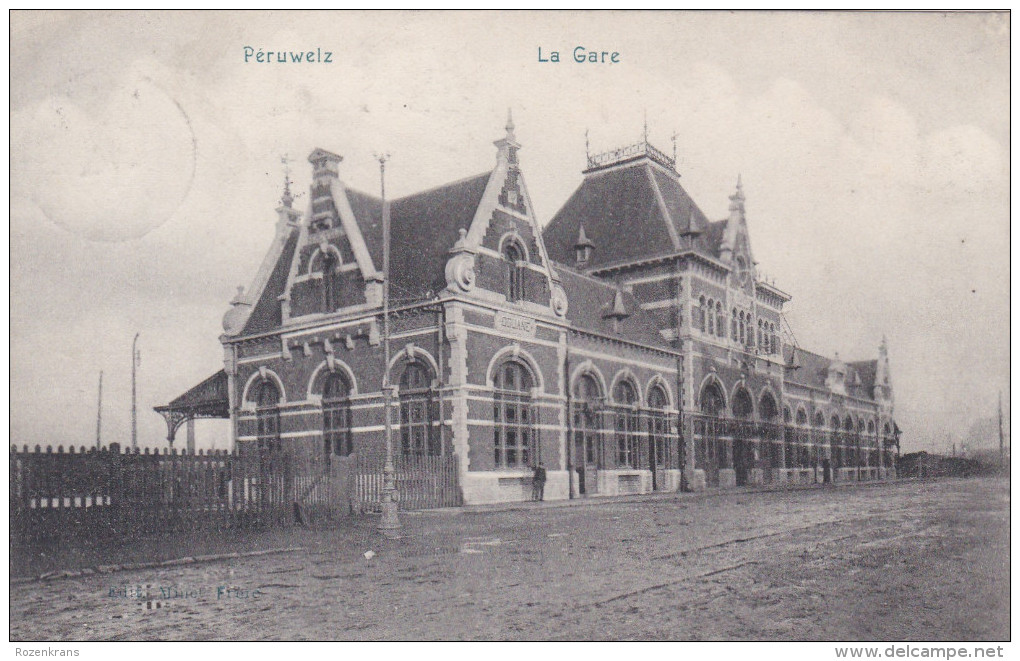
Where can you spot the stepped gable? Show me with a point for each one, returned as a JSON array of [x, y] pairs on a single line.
[[590, 301], [266, 314], [423, 228]]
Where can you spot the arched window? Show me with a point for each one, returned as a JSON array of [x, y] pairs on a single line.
[[801, 417], [742, 406], [767, 407], [628, 424], [712, 400], [699, 314], [710, 314], [743, 328], [419, 436], [513, 415], [836, 443], [761, 342], [267, 416], [735, 328], [514, 256], [587, 421], [775, 339], [658, 426], [871, 427], [330, 282], [336, 415], [819, 419], [720, 320]]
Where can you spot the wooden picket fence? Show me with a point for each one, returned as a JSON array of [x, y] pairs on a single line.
[[423, 482], [103, 492], [88, 492]]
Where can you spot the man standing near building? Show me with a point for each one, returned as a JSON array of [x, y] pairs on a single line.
[[538, 483]]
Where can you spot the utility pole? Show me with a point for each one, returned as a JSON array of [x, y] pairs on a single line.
[[134, 391], [389, 523], [1001, 454], [99, 414]]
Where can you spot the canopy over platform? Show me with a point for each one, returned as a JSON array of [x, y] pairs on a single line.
[[209, 399]]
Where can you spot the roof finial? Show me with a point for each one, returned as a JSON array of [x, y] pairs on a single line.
[[287, 198], [587, 149], [509, 122], [673, 138], [646, 126]]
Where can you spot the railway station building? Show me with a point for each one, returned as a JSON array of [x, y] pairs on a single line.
[[628, 344]]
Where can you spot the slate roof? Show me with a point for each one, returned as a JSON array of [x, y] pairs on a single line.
[[266, 316], [814, 368], [423, 228], [866, 369], [622, 215], [589, 300]]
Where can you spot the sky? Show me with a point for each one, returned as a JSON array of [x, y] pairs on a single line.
[[146, 166]]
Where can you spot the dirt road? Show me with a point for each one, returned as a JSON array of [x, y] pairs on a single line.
[[900, 561]]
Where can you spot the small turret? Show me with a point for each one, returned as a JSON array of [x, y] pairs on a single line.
[[583, 246], [617, 312]]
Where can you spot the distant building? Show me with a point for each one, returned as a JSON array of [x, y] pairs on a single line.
[[573, 346]]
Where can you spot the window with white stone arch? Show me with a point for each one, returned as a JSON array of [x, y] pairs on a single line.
[[628, 424], [336, 415], [658, 426], [267, 416], [419, 436], [513, 416], [515, 257]]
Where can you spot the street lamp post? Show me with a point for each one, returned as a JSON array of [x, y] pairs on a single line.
[[389, 523], [134, 400]]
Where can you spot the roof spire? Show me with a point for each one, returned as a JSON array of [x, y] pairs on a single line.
[[646, 126], [508, 144], [587, 148], [287, 198]]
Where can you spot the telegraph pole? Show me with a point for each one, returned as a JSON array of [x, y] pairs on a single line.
[[389, 523], [99, 414], [1001, 455], [134, 391]]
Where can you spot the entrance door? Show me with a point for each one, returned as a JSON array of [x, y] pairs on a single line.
[[740, 460], [586, 450]]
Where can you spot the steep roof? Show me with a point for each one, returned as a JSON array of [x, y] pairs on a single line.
[[622, 214], [423, 227], [266, 315], [814, 369], [589, 301], [866, 370]]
